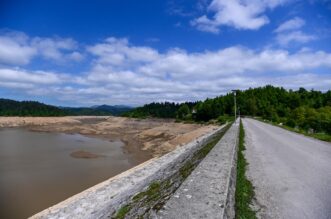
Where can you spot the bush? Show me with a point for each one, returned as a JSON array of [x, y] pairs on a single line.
[[225, 118], [291, 123]]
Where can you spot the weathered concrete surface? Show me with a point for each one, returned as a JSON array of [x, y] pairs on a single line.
[[104, 199], [209, 191], [291, 173]]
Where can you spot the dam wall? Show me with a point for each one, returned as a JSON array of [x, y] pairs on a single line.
[[141, 190]]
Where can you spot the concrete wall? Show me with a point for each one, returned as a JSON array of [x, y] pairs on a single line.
[[209, 191], [106, 198]]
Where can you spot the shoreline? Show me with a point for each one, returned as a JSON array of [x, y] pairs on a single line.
[[144, 138]]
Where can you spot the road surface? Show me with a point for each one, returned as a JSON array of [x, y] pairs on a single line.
[[291, 173]]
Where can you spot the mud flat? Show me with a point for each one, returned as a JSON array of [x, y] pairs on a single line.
[[153, 136]]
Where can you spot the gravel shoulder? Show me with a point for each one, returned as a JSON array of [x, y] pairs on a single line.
[[291, 173]]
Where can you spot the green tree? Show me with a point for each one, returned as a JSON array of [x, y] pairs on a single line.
[[183, 111]]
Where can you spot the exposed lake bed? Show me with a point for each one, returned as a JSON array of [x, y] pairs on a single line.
[[46, 160]]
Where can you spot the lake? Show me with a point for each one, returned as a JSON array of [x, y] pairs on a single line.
[[39, 169]]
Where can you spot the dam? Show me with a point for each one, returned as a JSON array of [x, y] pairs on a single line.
[[153, 189]]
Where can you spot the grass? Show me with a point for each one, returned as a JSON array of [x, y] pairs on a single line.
[[244, 188], [152, 193], [122, 212], [318, 135]]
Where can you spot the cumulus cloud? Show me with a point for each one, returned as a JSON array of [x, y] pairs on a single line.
[[53, 48], [118, 52], [15, 51], [295, 36], [178, 63], [240, 14], [122, 73], [292, 24], [17, 48], [32, 77], [289, 32]]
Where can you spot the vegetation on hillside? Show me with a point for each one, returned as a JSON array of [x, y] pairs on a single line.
[[103, 110], [301, 109], [33, 108], [160, 110], [28, 108]]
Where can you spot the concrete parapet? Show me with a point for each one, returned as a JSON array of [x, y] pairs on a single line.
[[209, 192]]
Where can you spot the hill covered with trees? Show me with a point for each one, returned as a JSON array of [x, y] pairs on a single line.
[[301, 108], [102, 110], [34, 108], [159, 110], [28, 108]]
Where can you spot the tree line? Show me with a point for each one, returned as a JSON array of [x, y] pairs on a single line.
[[34, 108], [304, 109], [28, 108]]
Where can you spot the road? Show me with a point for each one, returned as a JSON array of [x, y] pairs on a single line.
[[291, 173]]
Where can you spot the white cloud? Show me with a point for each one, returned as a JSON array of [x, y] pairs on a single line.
[[53, 48], [75, 56], [16, 48], [293, 24], [15, 51], [289, 32], [118, 52], [285, 39], [240, 14], [122, 73], [32, 77]]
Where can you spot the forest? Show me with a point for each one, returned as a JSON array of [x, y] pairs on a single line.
[[308, 110], [34, 108], [102, 110], [28, 108]]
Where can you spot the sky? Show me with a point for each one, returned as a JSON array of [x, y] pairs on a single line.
[[84, 53]]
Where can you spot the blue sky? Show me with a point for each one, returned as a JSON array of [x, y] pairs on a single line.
[[76, 53]]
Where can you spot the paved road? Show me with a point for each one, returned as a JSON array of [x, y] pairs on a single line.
[[291, 173]]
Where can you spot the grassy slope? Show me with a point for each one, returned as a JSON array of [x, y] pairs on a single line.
[[320, 136], [244, 188]]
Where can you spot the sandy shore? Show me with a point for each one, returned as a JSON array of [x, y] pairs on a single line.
[[156, 136]]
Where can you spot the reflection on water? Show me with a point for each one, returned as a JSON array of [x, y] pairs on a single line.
[[37, 171]]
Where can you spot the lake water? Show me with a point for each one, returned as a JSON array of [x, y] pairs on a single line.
[[38, 171]]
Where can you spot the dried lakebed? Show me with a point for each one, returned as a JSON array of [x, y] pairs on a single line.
[[39, 169], [44, 160]]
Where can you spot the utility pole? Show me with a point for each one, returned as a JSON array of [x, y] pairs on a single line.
[[235, 105]]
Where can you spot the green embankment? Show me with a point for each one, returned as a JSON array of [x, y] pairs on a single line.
[[244, 188], [318, 135]]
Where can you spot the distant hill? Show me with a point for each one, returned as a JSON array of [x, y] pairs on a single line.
[[28, 108], [33, 108], [102, 110]]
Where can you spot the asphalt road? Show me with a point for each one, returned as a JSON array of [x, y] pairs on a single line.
[[291, 173]]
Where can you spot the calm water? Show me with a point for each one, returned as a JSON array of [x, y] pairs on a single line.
[[37, 171]]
